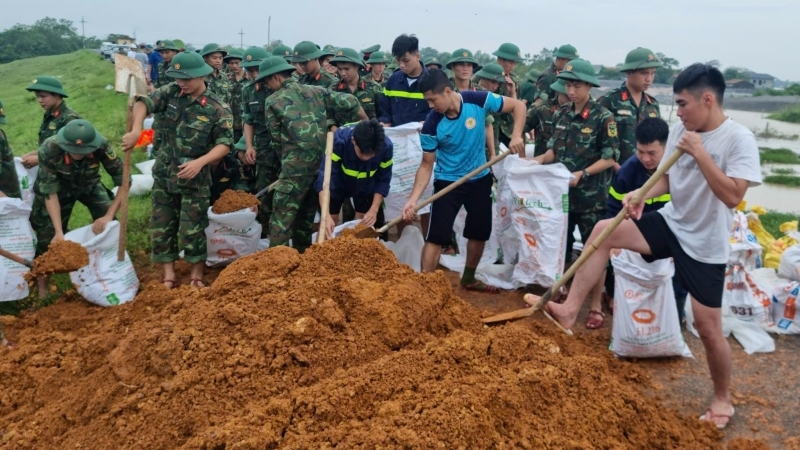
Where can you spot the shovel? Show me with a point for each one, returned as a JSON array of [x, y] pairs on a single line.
[[17, 259], [587, 252], [129, 79], [267, 189], [326, 191], [371, 233]]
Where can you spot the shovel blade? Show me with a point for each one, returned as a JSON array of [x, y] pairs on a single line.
[[125, 67], [513, 315], [367, 233]]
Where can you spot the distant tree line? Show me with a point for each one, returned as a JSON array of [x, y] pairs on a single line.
[[47, 36]]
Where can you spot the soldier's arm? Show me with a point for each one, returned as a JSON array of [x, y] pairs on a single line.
[[130, 138], [49, 187], [385, 105], [607, 144], [112, 163], [383, 177]]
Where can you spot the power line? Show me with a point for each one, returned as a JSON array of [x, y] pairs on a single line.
[[241, 38], [83, 31]]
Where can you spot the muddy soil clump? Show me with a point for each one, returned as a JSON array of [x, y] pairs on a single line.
[[231, 201], [60, 257], [339, 347]]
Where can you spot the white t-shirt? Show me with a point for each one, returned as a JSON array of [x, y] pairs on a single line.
[[131, 54], [700, 221]]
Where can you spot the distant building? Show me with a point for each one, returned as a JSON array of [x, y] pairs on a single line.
[[125, 40], [739, 83], [761, 80]]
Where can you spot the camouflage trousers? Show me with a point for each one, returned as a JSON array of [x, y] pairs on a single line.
[[267, 171], [295, 204], [585, 221], [226, 175], [177, 216], [97, 198]]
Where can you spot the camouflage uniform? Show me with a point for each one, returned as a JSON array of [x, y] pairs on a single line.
[[322, 79], [506, 124], [71, 180], [268, 157], [578, 141], [180, 206], [298, 118], [163, 78], [367, 94], [382, 81], [236, 103], [55, 120], [9, 183], [540, 121], [527, 92], [547, 78], [219, 86], [628, 115]]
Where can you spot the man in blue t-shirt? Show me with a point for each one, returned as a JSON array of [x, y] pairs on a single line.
[[154, 59], [454, 136]]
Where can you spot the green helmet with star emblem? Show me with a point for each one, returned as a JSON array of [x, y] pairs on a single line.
[[79, 137], [47, 84], [188, 65], [509, 51], [579, 70], [347, 55], [253, 56], [567, 52], [213, 48], [640, 58], [284, 51]]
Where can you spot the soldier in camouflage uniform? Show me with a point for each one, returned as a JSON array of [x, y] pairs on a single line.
[[508, 56], [463, 66], [489, 78], [584, 140], [217, 80], [328, 52], [562, 55], [308, 56], [378, 62], [168, 49], [348, 62], [198, 132], [259, 157], [527, 91], [236, 80], [540, 117], [50, 94], [367, 52], [9, 183], [298, 118], [629, 103], [247, 182]]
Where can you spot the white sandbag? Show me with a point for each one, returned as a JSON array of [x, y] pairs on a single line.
[[408, 249], [746, 297], [146, 167], [105, 281], [784, 307], [406, 158], [231, 235], [789, 268], [539, 209], [456, 262], [140, 185], [16, 236], [26, 178], [745, 249], [751, 336], [502, 226], [148, 123], [646, 322]]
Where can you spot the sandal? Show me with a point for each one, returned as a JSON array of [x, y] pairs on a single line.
[[711, 416], [480, 286], [594, 324], [197, 283], [172, 283]]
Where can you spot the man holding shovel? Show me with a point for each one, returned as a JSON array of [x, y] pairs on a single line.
[[720, 162], [454, 135]]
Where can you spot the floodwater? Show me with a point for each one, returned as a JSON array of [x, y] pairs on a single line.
[[769, 196]]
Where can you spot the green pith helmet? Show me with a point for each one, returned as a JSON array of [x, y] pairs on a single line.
[[347, 55], [432, 60], [392, 66], [559, 86], [371, 49], [187, 65], [79, 137], [213, 48], [235, 53], [167, 45], [509, 51], [273, 65], [179, 44], [462, 55], [579, 70], [306, 51], [241, 144], [253, 56], [379, 58], [328, 50], [493, 72], [2, 114], [640, 58], [47, 84], [533, 75], [566, 51], [284, 51]]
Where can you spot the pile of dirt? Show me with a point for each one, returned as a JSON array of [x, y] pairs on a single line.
[[60, 257], [746, 444], [339, 347], [231, 201]]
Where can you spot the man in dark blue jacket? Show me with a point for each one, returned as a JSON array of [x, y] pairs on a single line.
[[361, 169], [402, 102]]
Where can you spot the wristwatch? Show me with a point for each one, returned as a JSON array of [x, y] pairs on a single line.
[[585, 174]]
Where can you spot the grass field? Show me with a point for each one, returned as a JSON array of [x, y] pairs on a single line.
[[778, 155], [783, 180], [790, 114]]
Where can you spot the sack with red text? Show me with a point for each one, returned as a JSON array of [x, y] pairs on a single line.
[[231, 235], [748, 298]]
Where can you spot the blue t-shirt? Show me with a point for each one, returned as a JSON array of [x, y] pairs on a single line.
[[154, 59], [460, 142]]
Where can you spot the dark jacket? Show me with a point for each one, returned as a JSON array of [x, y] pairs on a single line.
[[631, 176], [400, 103], [352, 177]]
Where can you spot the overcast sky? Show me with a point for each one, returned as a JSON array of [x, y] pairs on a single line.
[[753, 34]]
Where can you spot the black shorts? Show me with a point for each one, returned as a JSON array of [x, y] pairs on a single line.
[[704, 281], [476, 197], [360, 204]]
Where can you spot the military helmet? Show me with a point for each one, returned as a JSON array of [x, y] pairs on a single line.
[[533, 75], [235, 53], [187, 65], [559, 86], [79, 137], [493, 72], [213, 48], [273, 65], [2, 114], [179, 44], [347, 55], [241, 144], [253, 56], [167, 45], [579, 70], [379, 57], [640, 58], [306, 51], [47, 84], [392, 65], [371, 49], [328, 50], [462, 55], [509, 51], [432, 60], [284, 51], [567, 52]]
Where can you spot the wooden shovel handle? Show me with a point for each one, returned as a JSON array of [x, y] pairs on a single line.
[[326, 191], [16, 258]]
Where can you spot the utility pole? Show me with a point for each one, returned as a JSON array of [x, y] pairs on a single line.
[[269, 31], [83, 31], [241, 38]]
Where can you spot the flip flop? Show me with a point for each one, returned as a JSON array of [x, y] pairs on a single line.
[[480, 286], [594, 324], [171, 282], [710, 416], [195, 281]]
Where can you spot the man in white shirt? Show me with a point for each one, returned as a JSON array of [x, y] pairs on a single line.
[[720, 162]]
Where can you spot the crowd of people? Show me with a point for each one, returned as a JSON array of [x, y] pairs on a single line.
[[252, 120]]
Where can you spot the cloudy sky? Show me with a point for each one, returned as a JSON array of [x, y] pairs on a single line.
[[753, 34]]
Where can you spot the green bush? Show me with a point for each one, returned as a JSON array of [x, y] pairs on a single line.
[[783, 180], [789, 114], [778, 155]]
